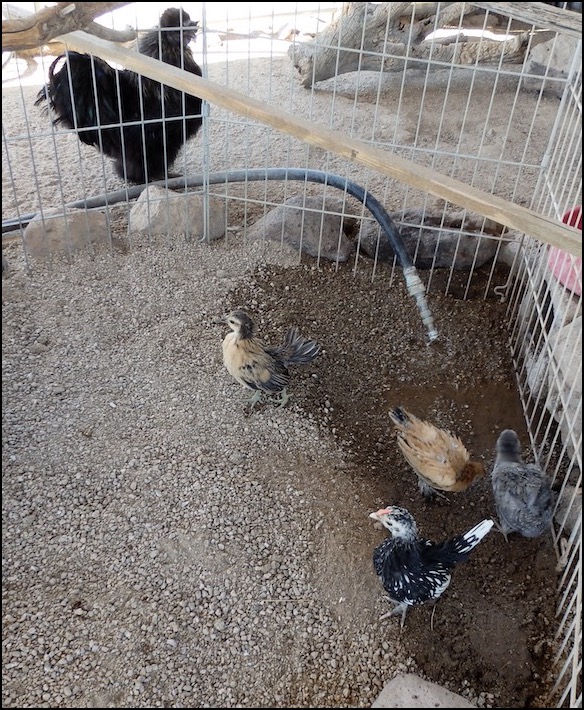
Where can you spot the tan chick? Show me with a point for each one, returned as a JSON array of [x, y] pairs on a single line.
[[439, 458], [260, 368]]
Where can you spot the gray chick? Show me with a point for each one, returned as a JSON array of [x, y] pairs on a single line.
[[522, 492]]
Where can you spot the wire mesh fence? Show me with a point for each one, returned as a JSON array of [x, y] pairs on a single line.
[[486, 96]]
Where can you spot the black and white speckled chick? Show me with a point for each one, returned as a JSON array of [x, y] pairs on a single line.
[[414, 570], [523, 496]]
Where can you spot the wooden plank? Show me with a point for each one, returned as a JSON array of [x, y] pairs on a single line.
[[515, 217], [566, 22], [501, 211]]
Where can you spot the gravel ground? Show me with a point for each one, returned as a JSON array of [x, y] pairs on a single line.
[[161, 547], [164, 548]]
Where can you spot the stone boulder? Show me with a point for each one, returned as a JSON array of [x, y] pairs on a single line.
[[308, 225]]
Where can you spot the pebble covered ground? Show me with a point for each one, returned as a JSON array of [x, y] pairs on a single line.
[[161, 546]]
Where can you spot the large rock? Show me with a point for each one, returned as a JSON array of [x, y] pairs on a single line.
[[56, 232], [159, 211], [536, 372], [566, 306], [306, 225], [434, 240], [552, 60], [408, 690], [569, 509], [565, 384], [553, 361]]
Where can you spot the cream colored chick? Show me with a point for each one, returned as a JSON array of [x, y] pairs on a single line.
[[258, 367]]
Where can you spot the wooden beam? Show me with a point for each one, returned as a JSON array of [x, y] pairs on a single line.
[[566, 22], [501, 211], [506, 213]]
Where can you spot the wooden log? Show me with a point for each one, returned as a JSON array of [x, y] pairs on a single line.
[[540, 14], [383, 38], [50, 22]]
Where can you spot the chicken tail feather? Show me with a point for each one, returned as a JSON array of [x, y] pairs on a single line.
[[465, 543], [458, 548], [399, 417], [298, 350]]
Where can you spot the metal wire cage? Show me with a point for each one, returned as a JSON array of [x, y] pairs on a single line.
[[474, 56]]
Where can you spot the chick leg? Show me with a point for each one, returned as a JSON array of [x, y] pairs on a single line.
[[284, 397], [502, 530], [257, 395], [281, 398], [428, 492], [398, 609], [432, 618]]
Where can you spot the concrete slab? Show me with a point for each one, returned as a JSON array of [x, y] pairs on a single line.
[[408, 690]]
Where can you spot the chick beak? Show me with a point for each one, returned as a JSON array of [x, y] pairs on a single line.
[[219, 320], [380, 513]]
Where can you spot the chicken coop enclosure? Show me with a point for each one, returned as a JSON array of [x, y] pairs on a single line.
[[307, 161]]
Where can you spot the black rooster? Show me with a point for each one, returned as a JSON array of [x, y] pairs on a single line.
[[89, 95]]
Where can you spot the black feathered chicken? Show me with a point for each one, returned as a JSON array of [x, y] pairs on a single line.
[[90, 96], [414, 570]]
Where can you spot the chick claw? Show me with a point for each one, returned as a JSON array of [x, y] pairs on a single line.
[[500, 529], [280, 399], [283, 398], [397, 609], [256, 397]]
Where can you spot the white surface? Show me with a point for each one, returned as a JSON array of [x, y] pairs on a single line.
[[410, 691]]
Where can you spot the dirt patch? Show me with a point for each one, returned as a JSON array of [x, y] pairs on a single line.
[[493, 628]]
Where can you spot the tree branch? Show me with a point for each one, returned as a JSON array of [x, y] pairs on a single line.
[[381, 38], [51, 22]]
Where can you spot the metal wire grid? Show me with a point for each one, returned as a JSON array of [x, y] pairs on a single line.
[[64, 171], [504, 171], [495, 165], [547, 177], [546, 341]]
